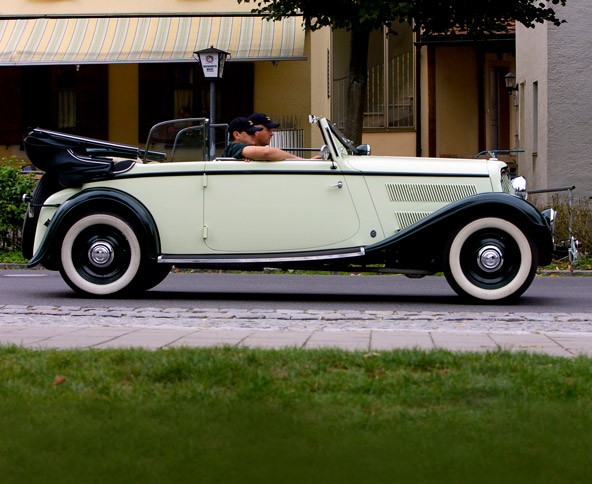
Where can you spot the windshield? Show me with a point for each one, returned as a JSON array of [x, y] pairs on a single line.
[[179, 139]]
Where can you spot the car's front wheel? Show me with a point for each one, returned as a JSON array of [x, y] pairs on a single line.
[[490, 260], [100, 255]]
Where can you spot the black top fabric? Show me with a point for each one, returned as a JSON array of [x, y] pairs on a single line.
[[70, 160]]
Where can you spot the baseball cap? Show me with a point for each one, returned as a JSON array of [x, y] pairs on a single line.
[[242, 124], [263, 119]]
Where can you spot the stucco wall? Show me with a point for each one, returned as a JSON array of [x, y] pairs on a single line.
[[319, 51], [391, 144], [531, 70], [297, 88], [559, 59], [570, 98], [282, 89]]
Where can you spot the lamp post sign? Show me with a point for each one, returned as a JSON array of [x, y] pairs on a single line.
[[212, 62]]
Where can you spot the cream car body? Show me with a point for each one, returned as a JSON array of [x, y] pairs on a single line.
[[343, 211]]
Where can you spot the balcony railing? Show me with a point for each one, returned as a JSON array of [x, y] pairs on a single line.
[[390, 101], [290, 134]]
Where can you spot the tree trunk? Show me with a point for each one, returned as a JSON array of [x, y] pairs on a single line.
[[355, 101]]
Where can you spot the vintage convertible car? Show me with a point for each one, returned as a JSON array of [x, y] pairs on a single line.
[[115, 218]]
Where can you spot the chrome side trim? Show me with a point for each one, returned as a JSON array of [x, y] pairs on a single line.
[[258, 259]]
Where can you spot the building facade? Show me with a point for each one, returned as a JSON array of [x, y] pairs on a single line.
[[112, 70], [553, 105]]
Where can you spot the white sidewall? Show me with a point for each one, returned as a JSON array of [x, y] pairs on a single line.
[[70, 269], [525, 259]]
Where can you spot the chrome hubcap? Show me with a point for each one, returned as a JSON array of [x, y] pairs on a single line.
[[101, 253], [490, 258]]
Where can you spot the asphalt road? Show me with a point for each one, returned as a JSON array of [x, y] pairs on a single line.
[[548, 294]]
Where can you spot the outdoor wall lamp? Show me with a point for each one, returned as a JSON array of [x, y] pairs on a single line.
[[510, 81]]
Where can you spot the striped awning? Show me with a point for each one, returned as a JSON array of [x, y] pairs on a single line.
[[131, 40]]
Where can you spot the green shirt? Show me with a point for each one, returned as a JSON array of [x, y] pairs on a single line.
[[234, 150]]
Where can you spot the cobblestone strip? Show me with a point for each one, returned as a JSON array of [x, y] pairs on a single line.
[[288, 319]]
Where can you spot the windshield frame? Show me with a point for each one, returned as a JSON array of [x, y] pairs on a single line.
[[350, 148]]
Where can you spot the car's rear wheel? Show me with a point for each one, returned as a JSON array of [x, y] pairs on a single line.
[[490, 260], [100, 255]]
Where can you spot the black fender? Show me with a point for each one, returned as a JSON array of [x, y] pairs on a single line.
[[96, 200], [46, 186], [425, 239]]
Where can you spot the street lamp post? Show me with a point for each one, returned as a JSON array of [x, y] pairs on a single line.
[[212, 62]]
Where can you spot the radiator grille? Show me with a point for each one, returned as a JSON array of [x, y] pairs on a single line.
[[507, 183], [429, 192]]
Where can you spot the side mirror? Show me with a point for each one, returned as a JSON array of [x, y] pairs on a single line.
[[325, 153], [363, 150]]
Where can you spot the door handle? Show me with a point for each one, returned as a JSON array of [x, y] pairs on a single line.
[[339, 184]]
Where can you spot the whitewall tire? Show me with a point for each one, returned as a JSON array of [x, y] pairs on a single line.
[[490, 260], [100, 255]]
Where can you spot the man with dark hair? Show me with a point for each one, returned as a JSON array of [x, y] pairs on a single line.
[[241, 132], [263, 121]]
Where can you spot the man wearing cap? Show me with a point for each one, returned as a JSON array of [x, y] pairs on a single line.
[[242, 144], [263, 121]]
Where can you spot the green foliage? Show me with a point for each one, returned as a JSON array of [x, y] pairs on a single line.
[[13, 185], [476, 18], [12, 257], [11, 161], [581, 222]]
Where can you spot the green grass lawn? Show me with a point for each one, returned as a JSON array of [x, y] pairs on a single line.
[[293, 416]]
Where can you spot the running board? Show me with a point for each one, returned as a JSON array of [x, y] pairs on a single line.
[[260, 258]]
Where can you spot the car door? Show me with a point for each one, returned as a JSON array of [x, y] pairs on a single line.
[[286, 206]]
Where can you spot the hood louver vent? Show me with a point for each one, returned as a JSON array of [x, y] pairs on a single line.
[[429, 193], [406, 219]]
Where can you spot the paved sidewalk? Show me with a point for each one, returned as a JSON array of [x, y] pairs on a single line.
[[559, 334], [63, 337]]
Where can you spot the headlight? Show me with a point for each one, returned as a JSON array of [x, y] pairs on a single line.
[[550, 214], [519, 186]]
